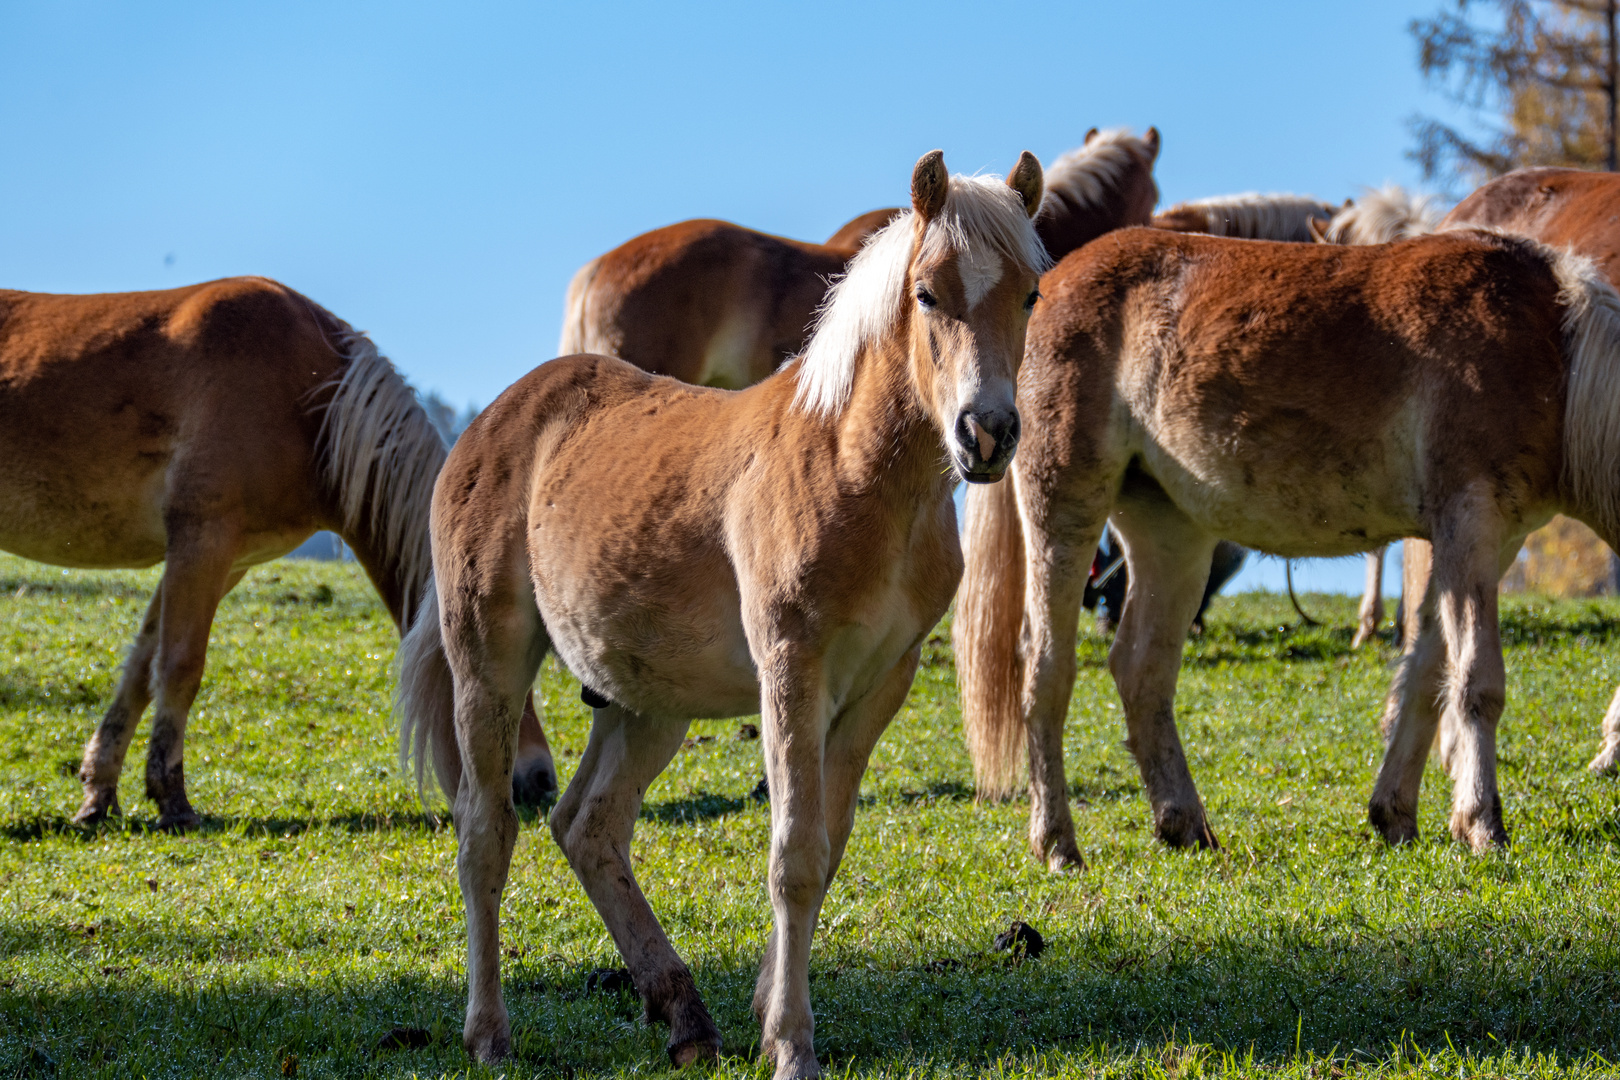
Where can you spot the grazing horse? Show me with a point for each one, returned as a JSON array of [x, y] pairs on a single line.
[[716, 304], [1307, 401], [211, 428], [691, 552], [1381, 216], [1566, 208]]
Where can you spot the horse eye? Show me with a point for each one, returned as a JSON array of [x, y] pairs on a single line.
[[924, 297], [1029, 305]]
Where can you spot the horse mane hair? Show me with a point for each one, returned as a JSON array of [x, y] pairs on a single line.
[[862, 305], [1088, 174], [1252, 215], [381, 454], [1591, 329], [1384, 214]]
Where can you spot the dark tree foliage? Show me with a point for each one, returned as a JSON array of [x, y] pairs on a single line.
[[1543, 72]]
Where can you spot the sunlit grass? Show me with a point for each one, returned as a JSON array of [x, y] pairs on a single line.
[[317, 908]]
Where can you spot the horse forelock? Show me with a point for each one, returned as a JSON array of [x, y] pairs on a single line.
[[982, 223], [1383, 215], [1089, 174]]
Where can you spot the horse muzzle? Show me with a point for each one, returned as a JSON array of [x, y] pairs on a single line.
[[982, 443]]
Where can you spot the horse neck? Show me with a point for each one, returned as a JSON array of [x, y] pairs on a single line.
[[886, 438], [1065, 225], [399, 577]]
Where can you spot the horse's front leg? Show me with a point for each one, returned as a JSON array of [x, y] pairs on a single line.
[[1608, 758], [197, 576], [794, 728], [1411, 717], [593, 824], [850, 740]]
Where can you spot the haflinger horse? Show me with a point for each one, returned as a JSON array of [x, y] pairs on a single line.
[[1381, 216], [1565, 208], [715, 304], [691, 552], [1307, 401], [1250, 215], [211, 428]]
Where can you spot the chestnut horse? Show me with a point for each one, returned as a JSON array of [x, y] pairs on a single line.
[[716, 304], [211, 428], [691, 552], [1566, 208], [1307, 401]]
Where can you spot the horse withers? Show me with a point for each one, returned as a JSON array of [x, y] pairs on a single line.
[[1304, 400], [691, 552], [211, 428]]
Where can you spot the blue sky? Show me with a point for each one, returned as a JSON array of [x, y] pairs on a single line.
[[435, 173]]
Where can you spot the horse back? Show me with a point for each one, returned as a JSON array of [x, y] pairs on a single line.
[[1570, 208]]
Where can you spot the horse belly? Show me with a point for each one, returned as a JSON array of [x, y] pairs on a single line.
[[87, 518]]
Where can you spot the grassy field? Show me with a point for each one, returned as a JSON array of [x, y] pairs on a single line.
[[317, 909]]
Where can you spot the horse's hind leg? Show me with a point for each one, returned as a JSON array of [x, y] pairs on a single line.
[[1372, 599], [197, 574], [1411, 717], [1169, 557], [494, 643], [594, 824], [104, 753], [1467, 566]]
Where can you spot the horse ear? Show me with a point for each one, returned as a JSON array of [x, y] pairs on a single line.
[[1092, 134], [929, 185], [1027, 179], [1151, 139], [1348, 203], [1318, 229]]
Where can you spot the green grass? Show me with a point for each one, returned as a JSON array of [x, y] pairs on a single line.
[[317, 907]]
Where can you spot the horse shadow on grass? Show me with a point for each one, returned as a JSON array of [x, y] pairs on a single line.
[[1262, 991], [39, 826]]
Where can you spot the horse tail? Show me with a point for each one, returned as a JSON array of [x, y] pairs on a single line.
[[424, 700], [1592, 400], [577, 335], [989, 619], [380, 454]]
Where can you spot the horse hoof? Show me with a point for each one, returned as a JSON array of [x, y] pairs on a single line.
[[489, 1042], [1064, 855], [1397, 827], [1607, 761], [1481, 834], [98, 806], [695, 1051], [178, 821], [1185, 829]]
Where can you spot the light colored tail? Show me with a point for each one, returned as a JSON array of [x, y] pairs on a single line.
[[424, 701], [381, 454], [1592, 400], [989, 619], [577, 332]]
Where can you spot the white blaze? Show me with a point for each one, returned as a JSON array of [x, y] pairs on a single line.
[[981, 270]]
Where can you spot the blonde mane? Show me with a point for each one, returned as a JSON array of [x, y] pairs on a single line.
[[1089, 174], [862, 306], [1382, 215], [1252, 215]]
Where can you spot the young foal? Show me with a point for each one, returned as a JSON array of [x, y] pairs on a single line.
[[211, 428], [697, 553], [716, 304], [1304, 400]]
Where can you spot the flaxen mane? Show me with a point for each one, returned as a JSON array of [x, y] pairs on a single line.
[[381, 455], [980, 211], [1382, 215], [1250, 216], [1089, 174]]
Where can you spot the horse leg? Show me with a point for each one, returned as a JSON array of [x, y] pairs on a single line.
[[1169, 558], [1468, 548], [849, 747], [534, 776], [104, 753], [1372, 599], [1608, 758], [593, 824], [1411, 716], [1449, 731], [197, 575]]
